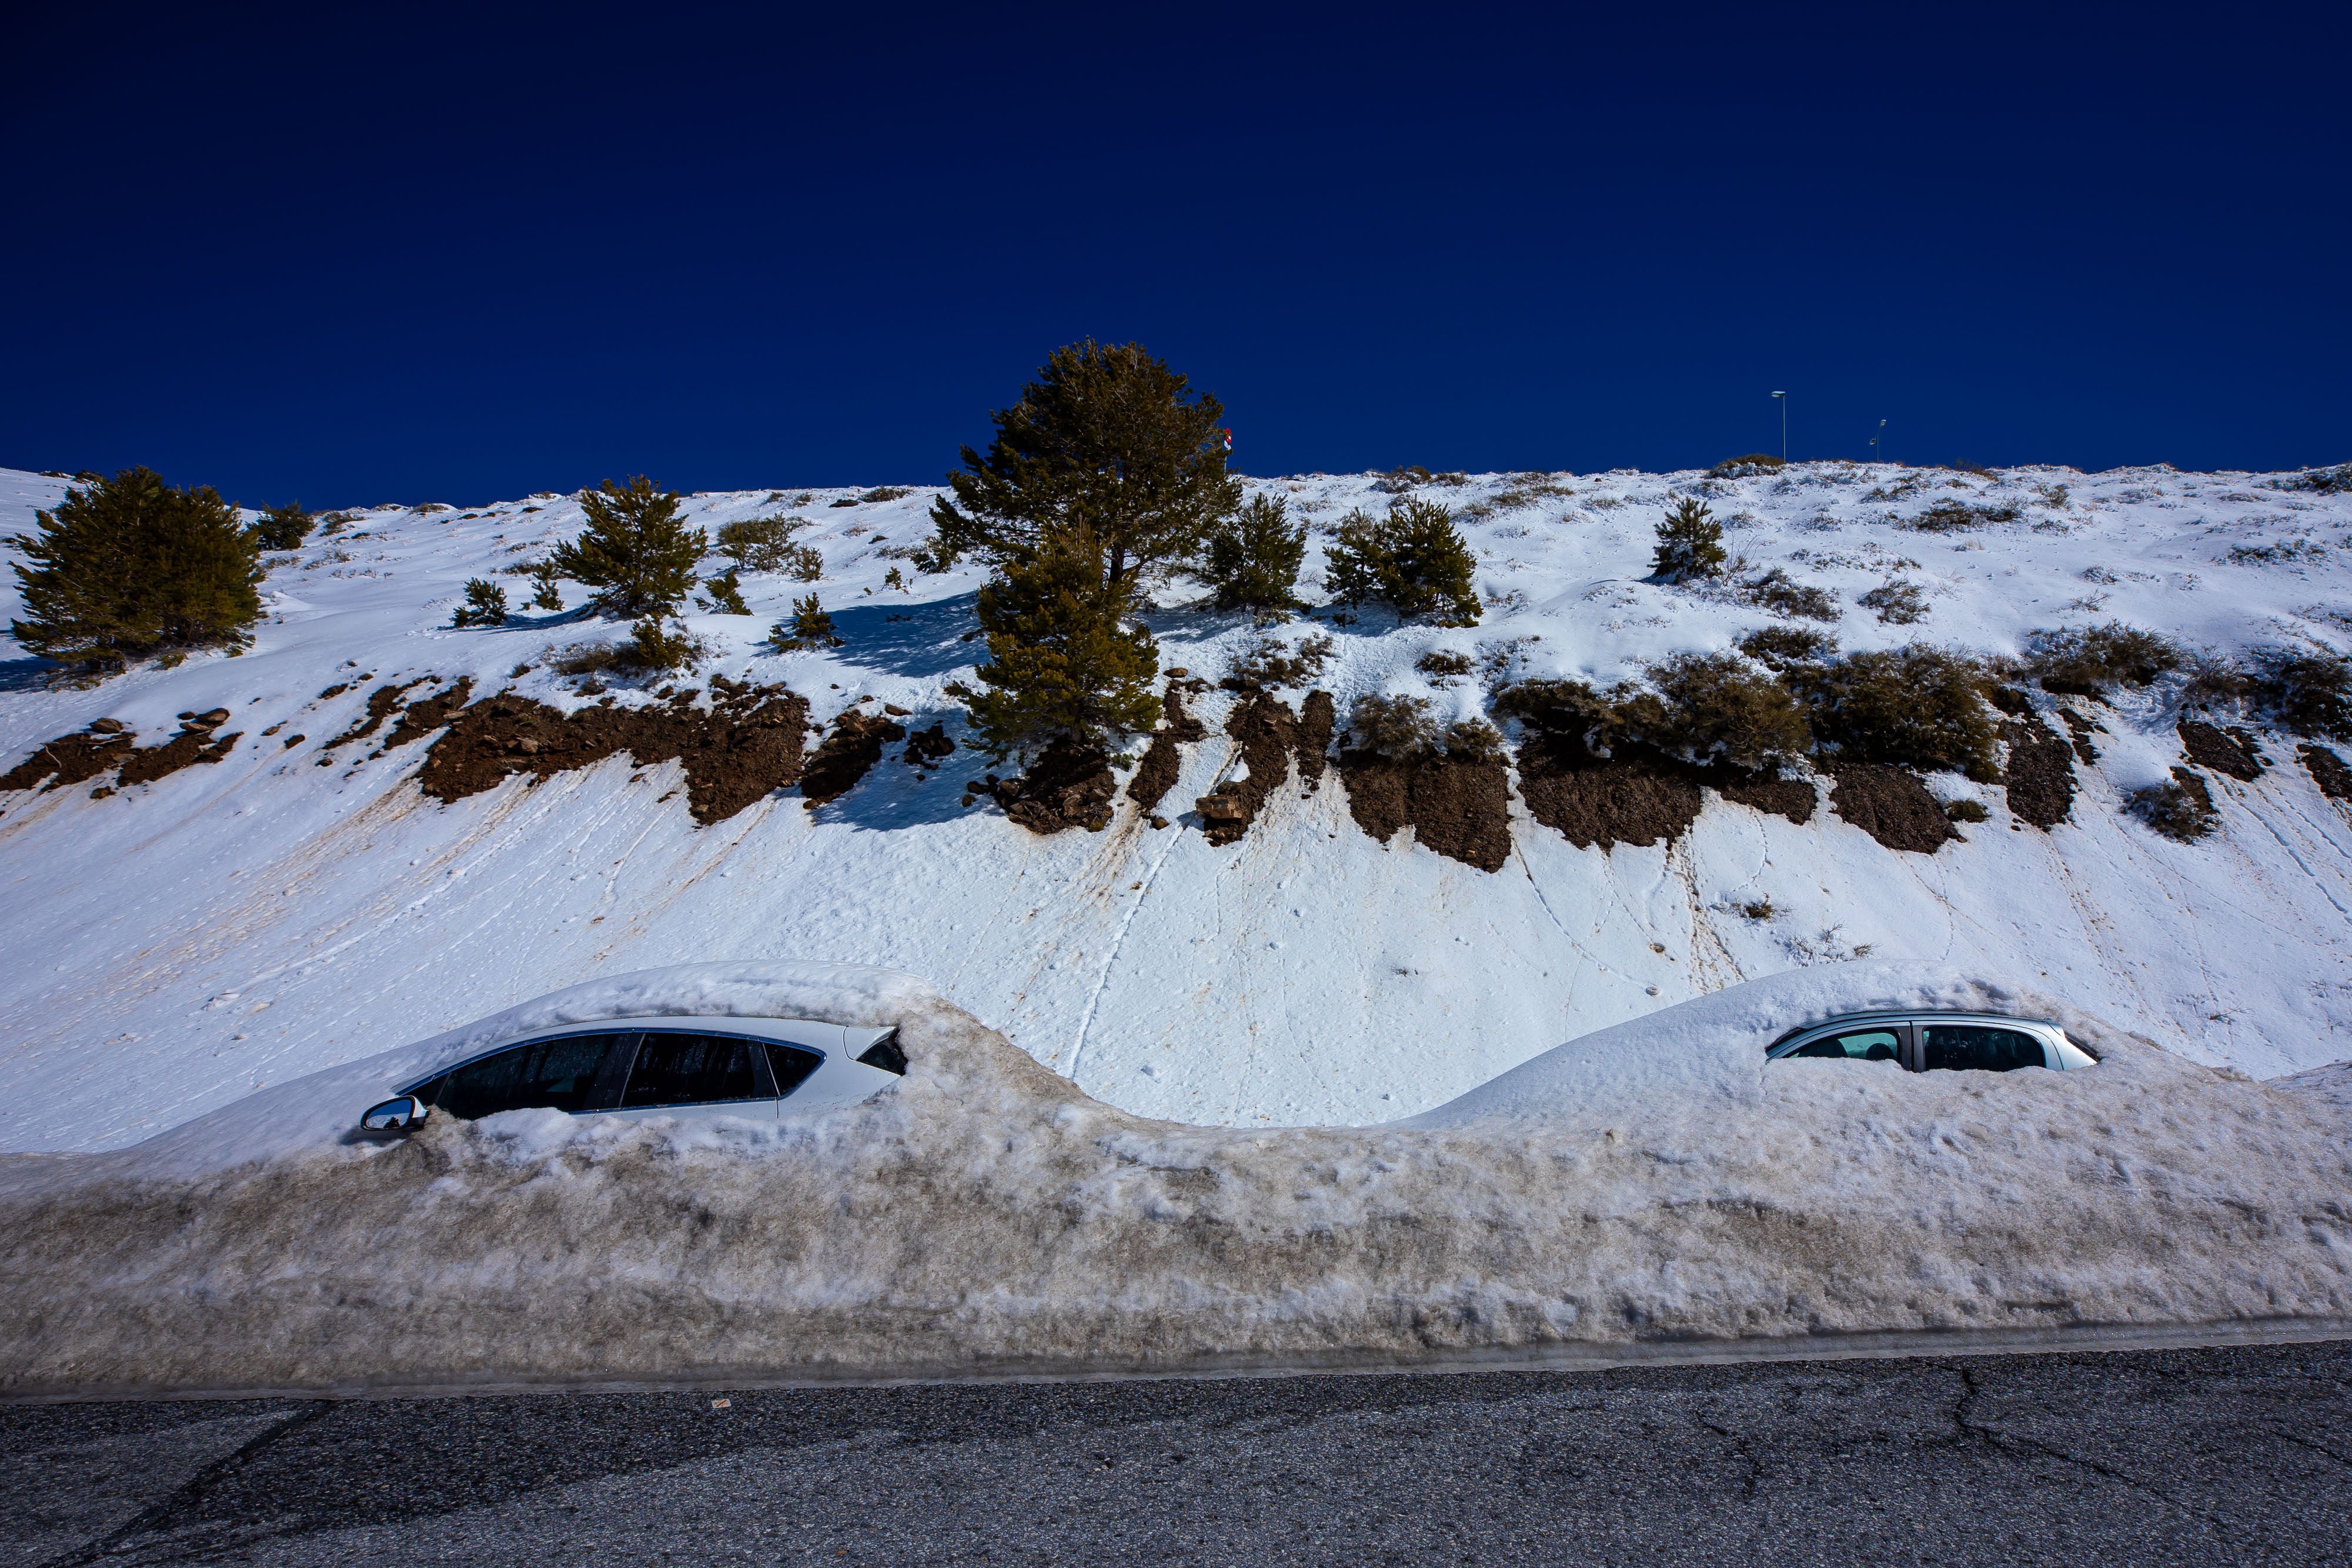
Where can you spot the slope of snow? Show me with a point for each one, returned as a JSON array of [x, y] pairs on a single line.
[[232, 926], [985, 1215]]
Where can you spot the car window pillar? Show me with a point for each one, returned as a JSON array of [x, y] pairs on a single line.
[[613, 1076]]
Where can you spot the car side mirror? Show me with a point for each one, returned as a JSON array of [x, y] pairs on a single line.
[[398, 1115]]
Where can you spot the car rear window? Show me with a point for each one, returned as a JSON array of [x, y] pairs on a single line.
[[1978, 1048]]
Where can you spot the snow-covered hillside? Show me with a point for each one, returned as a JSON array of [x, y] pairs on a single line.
[[175, 943]]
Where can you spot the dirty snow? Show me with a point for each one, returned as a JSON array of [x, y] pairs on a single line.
[[178, 946], [1658, 1182]]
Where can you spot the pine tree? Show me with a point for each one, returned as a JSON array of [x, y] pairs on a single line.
[[1690, 544], [809, 628], [283, 528], [1413, 559], [635, 549], [726, 594], [129, 565], [485, 604], [544, 593], [1107, 439], [1062, 660], [1252, 558]]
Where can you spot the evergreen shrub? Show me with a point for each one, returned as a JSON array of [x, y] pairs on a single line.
[[1251, 558], [283, 528], [1397, 727], [1717, 708], [485, 604], [1779, 647], [635, 550], [723, 594], [1690, 543], [810, 628], [1413, 559], [129, 565], [761, 544], [2093, 662]]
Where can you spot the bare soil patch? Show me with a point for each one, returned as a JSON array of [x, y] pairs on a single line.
[[1619, 800], [421, 718], [1162, 759], [74, 758], [380, 706], [745, 748], [2040, 771], [1794, 798], [1069, 787], [1312, 739], [2328, 771], [2081, 729], [1459, 809], [1265, 730], [2227, 751], [1891, 805], [848, 754]]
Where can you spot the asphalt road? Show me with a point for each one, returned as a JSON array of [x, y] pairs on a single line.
[[2236, 1456]]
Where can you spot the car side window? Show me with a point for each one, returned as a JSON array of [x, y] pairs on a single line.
[[559, 1073], [1978, 1048], [695, 1070], [791, 1065], [1858, 1045]]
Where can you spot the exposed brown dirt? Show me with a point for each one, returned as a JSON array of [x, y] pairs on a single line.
[[1792, 798], [420, 719], [744, 748], [196, 743], [1265, 730], [1313, 738], [1620, 800], [929, 748], [1891, 805], [2229, 751], [1461, 810], [1156, 774], [2081, 730], [847, 755], [74, 758], [2041, 771], [380, 706], [2327, 771], [1069, 787]]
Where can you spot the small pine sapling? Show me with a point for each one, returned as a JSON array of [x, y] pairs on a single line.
[[1690, 544], [655, 646], [802, 563], [894, 578], [1063, 663], [724, 595], [543, 591], [1251, 558], [635, 549], [1413, 559], [761, 544], [485, 604], [810, 628]]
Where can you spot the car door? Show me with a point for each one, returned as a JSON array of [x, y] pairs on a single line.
[[684, 1073], [571, 1072], [1946, 1047]]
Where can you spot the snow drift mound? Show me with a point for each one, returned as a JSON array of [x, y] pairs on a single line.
[[1653, 1181]]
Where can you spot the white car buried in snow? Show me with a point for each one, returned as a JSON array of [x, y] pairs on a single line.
[[631, 1069]]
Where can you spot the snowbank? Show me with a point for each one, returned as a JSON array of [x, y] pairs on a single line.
[[1649, 1181]]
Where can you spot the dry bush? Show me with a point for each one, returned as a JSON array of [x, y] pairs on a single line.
[[2309, 694], [2182, 810], [1953, 517], [1472, 740], [1399, 727], [1744, 466], [1965, 810], [1779, 647], [760, 544], [1269, 661], [1899, 602], [1783, 595], [2325, 481], [1717, 708], [2093, 662], [1914, 708], [1443, 662]]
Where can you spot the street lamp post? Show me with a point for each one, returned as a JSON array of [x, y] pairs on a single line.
[[1878, 452], [1782, 398]]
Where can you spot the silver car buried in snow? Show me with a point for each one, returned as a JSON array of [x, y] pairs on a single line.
[[633, 1069], [1922, 1040]]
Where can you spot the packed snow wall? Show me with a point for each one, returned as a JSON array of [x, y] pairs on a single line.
[[1654, 1182]]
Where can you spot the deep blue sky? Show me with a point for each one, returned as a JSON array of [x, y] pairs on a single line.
[[355, 256]]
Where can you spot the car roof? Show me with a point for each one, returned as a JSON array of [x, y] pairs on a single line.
[[808, 1034], [1899, 1014]]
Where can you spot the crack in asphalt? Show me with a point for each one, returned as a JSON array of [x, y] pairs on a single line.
[[148, 1519]]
